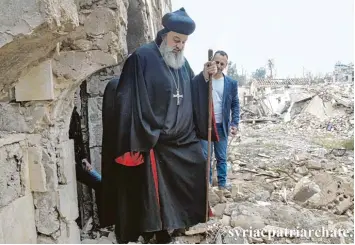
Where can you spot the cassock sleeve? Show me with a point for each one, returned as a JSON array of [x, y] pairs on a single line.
[[199, 90], [137, 127]]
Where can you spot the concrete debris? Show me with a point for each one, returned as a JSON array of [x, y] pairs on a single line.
[[322, 102], [305, 189]]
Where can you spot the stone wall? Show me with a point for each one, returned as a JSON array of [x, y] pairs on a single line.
[[48, 48]]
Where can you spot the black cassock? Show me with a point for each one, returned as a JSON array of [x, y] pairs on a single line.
[[162, 184]]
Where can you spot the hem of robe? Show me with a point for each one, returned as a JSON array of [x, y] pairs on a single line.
[[175, 227], [133, 159]]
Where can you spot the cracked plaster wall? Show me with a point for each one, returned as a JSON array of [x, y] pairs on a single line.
[[47, 49]]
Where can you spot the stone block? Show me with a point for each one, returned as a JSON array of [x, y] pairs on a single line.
[[218, 210], [305, 189], [108, 43], [42, 239], [77, 66], [50, 168], [70, 233], [8, 139], [95, 121], [101, 21], [96, 86], [35, 115], [117, 4], [138, 26], [82, 44], [46, 214], [22, 119], [24, 170], [213, 198], [95, 157], [19, 18], [328, 186], [17, 222], [36, 169], [14, 179], [32, 31], [37, 84], [14, 121], [33, 139], [66, 165], [68, 201], [226, 220]]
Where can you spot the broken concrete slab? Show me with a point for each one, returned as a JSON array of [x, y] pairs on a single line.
[[299, 96], [305, 189], [316, 108]]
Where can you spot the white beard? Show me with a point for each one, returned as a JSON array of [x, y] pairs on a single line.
[[175, 61]]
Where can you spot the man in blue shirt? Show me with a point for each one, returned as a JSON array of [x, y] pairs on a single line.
[[225, 115]]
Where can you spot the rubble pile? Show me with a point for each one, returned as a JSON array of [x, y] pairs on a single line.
[[282, 179], [283, 183], [331, 109], [323, 107], [300, 185]]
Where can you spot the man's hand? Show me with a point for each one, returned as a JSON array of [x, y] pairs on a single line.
[[210, 68], [234, 130], [86, 164]]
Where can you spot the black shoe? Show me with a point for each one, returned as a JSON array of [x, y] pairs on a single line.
[[178, 232], [147, 236], [163, 237]]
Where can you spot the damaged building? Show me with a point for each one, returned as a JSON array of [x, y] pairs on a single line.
[[343, 73], [49, 51]]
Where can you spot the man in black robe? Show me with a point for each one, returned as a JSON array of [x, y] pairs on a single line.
[[153, 168]]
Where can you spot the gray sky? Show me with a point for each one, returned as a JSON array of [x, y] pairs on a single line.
[[313, 34]]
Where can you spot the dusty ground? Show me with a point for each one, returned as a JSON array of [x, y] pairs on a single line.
[[281, 179], [295, 176]]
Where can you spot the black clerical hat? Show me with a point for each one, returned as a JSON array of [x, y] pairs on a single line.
[[179, 21]]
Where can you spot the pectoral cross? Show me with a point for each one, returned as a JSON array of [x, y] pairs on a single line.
[[178, 96]]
